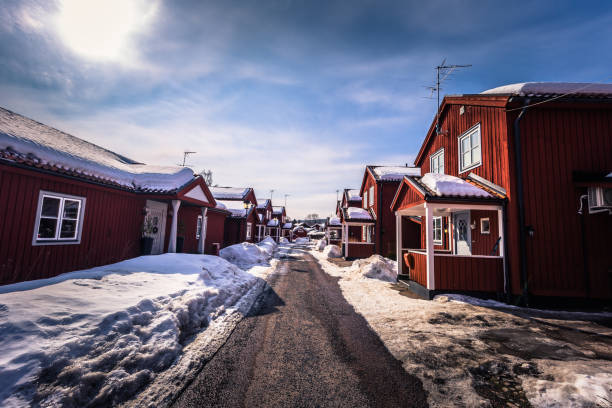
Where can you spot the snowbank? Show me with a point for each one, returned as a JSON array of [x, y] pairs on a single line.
[[332, 251], [96, 337], [375, 267], [301, 241], [445, 185], [246, 254], [283, 240], [321, 244]]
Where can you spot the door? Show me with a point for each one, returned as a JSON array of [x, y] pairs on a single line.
[[462, 233], [157, 213]]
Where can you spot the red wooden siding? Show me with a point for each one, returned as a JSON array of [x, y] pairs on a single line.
[[111, 226], [358, 250], [214, 231], [419, 272], [188, 218], [466, 273], [482, 244], [408, 197]]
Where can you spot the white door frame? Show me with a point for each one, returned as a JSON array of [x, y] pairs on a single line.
[[160, 238]]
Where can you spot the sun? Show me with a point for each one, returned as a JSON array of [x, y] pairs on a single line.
[[103, 29]]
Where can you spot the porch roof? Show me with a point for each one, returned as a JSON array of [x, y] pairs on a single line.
[[358, 215]]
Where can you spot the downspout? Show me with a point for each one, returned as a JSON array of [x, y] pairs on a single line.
[[378, 237], [521, 202], [508, 283]]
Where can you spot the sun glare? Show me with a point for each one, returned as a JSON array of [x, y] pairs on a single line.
[[103, 29]]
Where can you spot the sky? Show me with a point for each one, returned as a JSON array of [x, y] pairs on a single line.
[[291, 96]]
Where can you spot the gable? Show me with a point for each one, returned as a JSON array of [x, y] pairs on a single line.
[[197, 194]]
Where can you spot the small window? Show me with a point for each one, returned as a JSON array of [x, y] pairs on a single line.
[[365, 199], [199, 227], [469, 149], [248, 230], [437, 230], [436, 162], [485, 226], [58, 219], [371, 197]]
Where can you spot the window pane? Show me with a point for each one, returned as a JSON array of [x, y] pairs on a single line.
[[465, 144], [46, 229], [441, 168], [467, 158], [476, 155], [71, 209], [68, 229], [475, 139], [50, 207]]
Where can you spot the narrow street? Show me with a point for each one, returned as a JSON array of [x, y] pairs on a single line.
[[303, 345]]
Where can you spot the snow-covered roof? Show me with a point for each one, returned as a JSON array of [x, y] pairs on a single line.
[[357, 214], [353, 195], [229, 193], [552, 88], [264, 205], [446, 185], [236, 208], [273, 222], [277, 209], [394, 173], [287, 225], [334, 221], [34, 144]]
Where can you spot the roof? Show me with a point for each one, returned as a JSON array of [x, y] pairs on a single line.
[[444, 185], [352, 194], [230, 193], [553, 89], [31, 143], [334, 221], [273, 222], [393, 173], [236, 208], [278, 209], [264, 205], [287, 225], [357, 214]]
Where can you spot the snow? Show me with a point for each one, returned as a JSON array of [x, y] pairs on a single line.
[[49, 146], [552, 88], [556, 359], [321, 244], [334, 221], [301, 241], [287, 225], [235, 207], [389, 173], [97, 336], [264, 205], [247, 255], [273, 222], [332, 251], [278, 210], [446, 185], [375, 267], [283, 240], [358, 213], [229, 193], [353, 195]]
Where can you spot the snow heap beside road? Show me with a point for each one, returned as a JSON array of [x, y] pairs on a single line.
[[246, 254], [97, 336], [283, 240], [301, 241], [332, 251], [375, 267], [321, 244]]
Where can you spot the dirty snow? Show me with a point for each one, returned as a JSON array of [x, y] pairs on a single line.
[[468, 355], [53, 147], [332, 251], [390, 173], [552, 88], [301, 241], [375, 267], [99, 336], [446, 185]]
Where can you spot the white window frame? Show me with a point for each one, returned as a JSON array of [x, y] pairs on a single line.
[[249, 226], [365, 199], [482, 230], [79, 219], [468, 134], [441, 240], [268, 214], [438, 157], [371, 196], [199, 226]]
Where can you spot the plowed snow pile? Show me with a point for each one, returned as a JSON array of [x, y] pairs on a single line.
[[375, 267], [332, 251], [321, 244], [97, 336], [247, 254], [301, 241]]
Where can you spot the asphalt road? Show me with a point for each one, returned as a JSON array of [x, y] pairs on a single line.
[[303, 345]]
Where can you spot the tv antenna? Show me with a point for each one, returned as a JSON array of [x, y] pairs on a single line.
[[185, 154], [442, 72], [337, 198], [286, 195], [271, 192]]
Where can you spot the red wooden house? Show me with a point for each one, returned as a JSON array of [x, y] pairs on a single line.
[[68, 204], [350, 198], [240, 225], [264, 212], [333, 231], [515, 193], [378, 189]]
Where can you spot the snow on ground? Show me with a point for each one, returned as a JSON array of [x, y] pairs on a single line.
[[473, 354], [321, 244], [374, 267], [332, 251], [301, 241], [247, 254], [98, 336]]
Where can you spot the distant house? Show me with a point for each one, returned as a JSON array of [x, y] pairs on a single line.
[[275, 224], [333, 231], [68, 204], [264, 213], [350, 198], [378, 188], [515, 194], [241, 203], [287, 231]]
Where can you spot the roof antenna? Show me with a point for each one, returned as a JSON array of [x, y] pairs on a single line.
[[185, 154], [271, 192], [442, 72]]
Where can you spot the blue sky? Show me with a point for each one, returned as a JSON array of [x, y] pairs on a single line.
[[295, 96]]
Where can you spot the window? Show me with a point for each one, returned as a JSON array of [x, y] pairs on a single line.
[[199, 227], [364, 234], [436, 162], [485, 226], [248, 230], [469, 149], [365, 199], [371, 197], [58, 219], [437, 230]]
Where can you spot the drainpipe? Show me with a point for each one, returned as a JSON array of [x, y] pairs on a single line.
[[508, 284], [378, 238], [521, 202]]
